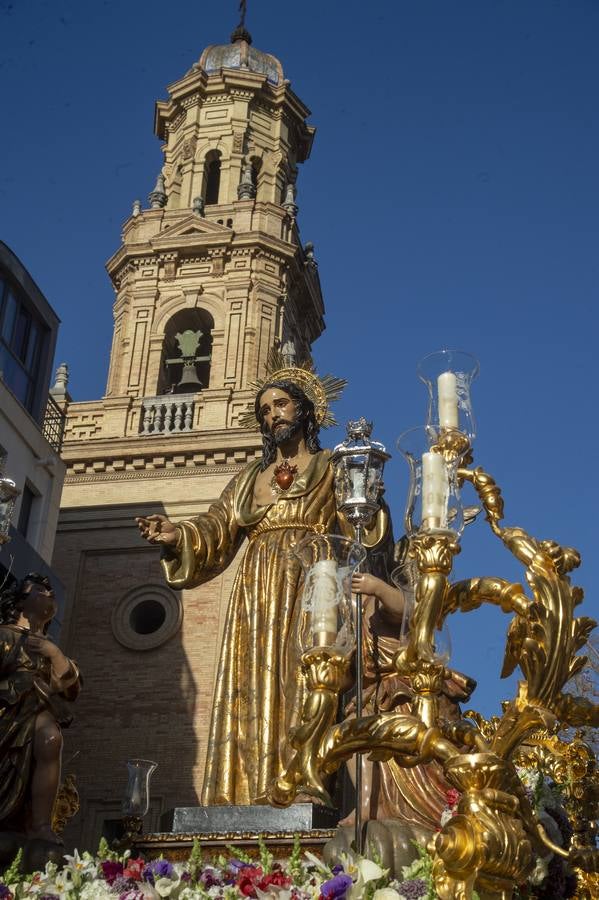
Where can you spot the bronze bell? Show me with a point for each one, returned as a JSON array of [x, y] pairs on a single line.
[[190, 383]]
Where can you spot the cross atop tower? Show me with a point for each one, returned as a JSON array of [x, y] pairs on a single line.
[[241, 33]]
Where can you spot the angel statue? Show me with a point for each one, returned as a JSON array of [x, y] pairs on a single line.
[[37, 681]]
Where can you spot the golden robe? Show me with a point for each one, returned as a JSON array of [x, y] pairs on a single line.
[[259, 686]]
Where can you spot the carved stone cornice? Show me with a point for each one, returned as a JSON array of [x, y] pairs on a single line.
[[201, 470]]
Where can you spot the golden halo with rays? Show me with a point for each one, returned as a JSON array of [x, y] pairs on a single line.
[[321, 390]]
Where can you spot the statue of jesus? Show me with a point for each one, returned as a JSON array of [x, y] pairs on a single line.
[[273, 503]]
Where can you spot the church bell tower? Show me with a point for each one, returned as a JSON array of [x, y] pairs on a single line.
[[218, 252], [210, 276]]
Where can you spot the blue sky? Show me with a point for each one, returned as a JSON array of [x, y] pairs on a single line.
[[452, 196]]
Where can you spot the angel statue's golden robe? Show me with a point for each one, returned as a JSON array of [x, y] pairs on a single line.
[[259, 686]]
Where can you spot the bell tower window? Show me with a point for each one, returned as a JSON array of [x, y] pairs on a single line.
[[186, 353], [212, 178]]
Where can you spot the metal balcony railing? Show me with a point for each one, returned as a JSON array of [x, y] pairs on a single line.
[[53, 424]]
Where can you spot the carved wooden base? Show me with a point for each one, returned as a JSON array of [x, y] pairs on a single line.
[[280, 844]]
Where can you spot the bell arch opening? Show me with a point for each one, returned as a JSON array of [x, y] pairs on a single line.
[[186, 353]]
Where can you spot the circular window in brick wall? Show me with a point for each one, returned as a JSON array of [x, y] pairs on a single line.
[[146, 617]]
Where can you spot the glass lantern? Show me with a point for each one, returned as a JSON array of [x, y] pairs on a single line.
[[359, 464], [448, 375], [434, 502], [326, 611], [137, 793], [8, 495]]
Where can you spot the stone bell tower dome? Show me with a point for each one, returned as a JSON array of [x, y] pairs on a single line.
[[209, 277]]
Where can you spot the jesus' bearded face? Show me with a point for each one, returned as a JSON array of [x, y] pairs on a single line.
[[281, 415]]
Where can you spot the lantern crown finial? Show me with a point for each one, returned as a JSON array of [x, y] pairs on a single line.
[[359, 428]]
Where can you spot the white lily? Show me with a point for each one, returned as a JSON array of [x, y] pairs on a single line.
[[166, 887], [64, 881], [318, 863], [80, 865], [367, 870]]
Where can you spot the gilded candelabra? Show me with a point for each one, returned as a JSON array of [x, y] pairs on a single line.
[[491, 844]]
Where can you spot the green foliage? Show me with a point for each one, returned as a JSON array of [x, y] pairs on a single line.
[[194, 863], [13, 873], [421, 868], [372, 886], [374, 855], [238, 854], [266, 857], [105, 853], [296, 869]]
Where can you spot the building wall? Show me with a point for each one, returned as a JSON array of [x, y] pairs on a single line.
[[31, 460], [26, 455]]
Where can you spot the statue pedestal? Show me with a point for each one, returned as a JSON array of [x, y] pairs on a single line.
[[241, 826]]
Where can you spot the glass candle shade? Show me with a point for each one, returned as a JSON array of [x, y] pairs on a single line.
[[326, 611], [8, 495], [359, 464], [137, 793], [448, 375], [433, 502], [405, 577]]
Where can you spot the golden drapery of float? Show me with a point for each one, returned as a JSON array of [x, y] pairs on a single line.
[[416, 796], [259, 690]]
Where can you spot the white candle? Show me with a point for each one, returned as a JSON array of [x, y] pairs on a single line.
[[324, 596], [357, 479], [448, 400], [434, 489]]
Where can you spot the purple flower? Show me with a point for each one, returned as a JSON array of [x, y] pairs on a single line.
[[413, 889], [158, 868], [185, 876], [132, 895], [336, 888], [210, 878], [49, 897], [4, 891], [162, 868], [235, 865], [111, 869], [337, 869]]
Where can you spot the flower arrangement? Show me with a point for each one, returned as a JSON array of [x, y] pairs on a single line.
[[112, 876], [551, 878]]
